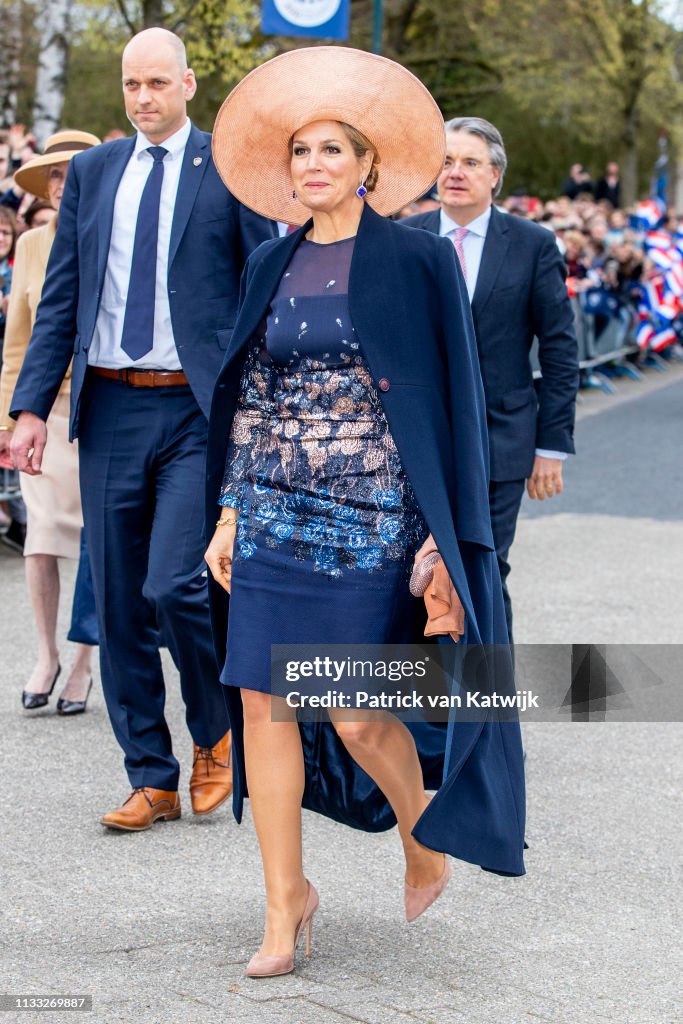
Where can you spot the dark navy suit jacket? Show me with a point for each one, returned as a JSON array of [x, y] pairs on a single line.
[[520, 294], [211, 236], [411, 315]]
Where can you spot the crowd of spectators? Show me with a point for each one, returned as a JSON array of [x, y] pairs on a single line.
[[622, 263]]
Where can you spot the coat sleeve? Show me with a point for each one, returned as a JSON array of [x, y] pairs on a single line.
[[477, 814], [553, 323], [51, 347], [253, 229], [467, 404], [17, 332]]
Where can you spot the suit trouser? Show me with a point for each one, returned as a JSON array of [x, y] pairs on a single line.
[[505, 498], [142, 464], [83, 629]]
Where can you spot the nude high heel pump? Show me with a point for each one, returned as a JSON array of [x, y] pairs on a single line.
[[271, 966], [418, 900]]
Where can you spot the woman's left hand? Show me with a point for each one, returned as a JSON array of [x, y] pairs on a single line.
[[218, 555]]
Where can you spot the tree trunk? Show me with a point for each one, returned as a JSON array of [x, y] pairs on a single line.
[[10, 60], [55, 30], [152, 13], [629, 157]]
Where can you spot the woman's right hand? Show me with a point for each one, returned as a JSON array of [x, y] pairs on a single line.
[[427, 548], [218, 555]]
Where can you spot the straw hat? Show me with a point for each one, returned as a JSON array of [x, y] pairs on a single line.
[[59, 148], [381, 99]]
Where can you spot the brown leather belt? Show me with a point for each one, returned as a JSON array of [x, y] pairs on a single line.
[[142, 378]]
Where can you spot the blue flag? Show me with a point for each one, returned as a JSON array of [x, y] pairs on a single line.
[[324, 19]]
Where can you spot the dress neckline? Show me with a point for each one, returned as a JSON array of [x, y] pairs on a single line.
[[326, 245]]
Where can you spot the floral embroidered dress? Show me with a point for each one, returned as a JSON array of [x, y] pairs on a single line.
[[328, 522]]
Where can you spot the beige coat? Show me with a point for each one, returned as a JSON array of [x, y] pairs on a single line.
[[53, 500], [28, 276]]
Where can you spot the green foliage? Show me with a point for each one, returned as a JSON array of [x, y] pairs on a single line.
[[587, 80]]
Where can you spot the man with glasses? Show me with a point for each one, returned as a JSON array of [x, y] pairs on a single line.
[[515, 279]]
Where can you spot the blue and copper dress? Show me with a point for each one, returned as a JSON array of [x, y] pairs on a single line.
[[328, 522]]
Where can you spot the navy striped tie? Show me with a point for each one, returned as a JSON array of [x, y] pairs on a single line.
[[137, 337]]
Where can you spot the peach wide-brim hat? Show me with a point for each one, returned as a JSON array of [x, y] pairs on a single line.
[[373, 94], [59, 148]]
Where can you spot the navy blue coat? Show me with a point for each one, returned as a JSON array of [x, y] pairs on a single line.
[[411, 315], [521, 294], [211, 236]]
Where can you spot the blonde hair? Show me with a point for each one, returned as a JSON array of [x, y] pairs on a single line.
[[575, 237], [361, 145]]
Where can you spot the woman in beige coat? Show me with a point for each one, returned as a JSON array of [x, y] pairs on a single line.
[[54, 519]]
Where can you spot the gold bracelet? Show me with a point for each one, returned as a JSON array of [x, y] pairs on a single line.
[[226, 522]]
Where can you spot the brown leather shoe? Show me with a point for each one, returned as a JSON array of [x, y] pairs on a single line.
[[143, 807], [211, 782]]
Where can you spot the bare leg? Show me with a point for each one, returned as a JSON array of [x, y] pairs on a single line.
[[385, 749], [81, 672], [42, 578], [275, 777]]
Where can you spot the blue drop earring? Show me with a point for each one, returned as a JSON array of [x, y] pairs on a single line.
[[361, 191]]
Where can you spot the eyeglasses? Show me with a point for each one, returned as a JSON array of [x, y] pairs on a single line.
[[467, 164]]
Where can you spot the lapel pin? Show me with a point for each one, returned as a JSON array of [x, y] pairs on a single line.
[[197, 160]]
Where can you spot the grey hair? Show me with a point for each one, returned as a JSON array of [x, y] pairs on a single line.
[[491, 136]]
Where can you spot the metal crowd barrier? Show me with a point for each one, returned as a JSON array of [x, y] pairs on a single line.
[[598, 353], [9, 484]]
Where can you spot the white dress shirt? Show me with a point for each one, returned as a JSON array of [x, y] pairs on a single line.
[[105, 348], [472, 243], [473, 247]]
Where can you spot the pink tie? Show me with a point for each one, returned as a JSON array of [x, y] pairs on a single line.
[[458, 236]]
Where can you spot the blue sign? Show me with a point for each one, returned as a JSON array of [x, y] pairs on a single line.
[[325, 19]]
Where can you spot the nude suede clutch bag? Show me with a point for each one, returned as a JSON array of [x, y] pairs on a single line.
[[445, 613]]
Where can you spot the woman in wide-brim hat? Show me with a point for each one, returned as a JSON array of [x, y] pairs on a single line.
[[347, 440], [53, 504]]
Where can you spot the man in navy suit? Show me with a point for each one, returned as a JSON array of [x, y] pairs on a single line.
[[141, 290], [515, 279]]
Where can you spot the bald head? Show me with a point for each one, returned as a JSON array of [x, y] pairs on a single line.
[[157, 41], [157, 83]]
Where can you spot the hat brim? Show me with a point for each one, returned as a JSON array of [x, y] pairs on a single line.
[[377, 96], [32, 177]]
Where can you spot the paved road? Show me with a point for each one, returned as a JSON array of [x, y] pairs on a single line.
[[157, 926]]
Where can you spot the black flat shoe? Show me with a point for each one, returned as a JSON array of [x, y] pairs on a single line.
[[73, 707], [38, 700]]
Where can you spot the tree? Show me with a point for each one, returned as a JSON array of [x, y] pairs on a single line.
[[10, 61], [586, 79], [218, 34], [631, 49], [55, 30], [221, 36]]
